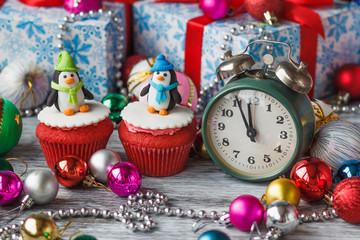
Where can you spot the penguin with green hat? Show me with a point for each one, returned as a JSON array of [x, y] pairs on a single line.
[[68, 93]]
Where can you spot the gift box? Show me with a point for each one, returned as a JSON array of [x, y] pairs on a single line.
[[95, 42], [161, 28]]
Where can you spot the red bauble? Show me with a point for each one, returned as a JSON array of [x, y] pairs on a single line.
[[128, 65], [70, 170], [346, 199], [257, 8], [314, 178], [347, 78]]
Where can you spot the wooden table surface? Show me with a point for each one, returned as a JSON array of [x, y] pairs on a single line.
[[201, 186]]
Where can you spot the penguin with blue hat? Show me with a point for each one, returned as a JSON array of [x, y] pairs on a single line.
[[162, 88]]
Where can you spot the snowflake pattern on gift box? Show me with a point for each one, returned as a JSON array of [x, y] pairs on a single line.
[[180, 34], [5, 25], [161, 27], [94, 83], [31, 28], [78, 49], [337, 26], [41, 49], [141, 19], [355, 26]]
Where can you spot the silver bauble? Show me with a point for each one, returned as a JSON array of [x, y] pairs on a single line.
[[282, 215], [101, 163], [41, 186]]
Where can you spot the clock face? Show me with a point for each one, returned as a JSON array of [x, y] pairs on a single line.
[[251, 134]]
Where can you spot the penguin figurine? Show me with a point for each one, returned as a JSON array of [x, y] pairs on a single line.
[[162, 88], [68, 93]]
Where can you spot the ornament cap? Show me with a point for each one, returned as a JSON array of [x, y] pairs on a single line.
[[270, 18], [66, 63]]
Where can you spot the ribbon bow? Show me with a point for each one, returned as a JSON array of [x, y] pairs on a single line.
[[161, 90], [71, 90]]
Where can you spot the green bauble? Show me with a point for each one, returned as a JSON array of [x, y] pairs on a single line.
[[116, 102], [5, 165], [85, 237], [10, 125]]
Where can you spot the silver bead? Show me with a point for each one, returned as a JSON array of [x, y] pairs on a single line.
[[353, 109], [266, 37], [344, 109], [60, 36], [325, 215], [147, 218], [157, 210], [261, 30], [28, 112], [63, 213], [252, 26], [62, 27], [116, 215], [168, 211], [139, 216], [179, 212], [125, 221], [233, 31], [149, 194], [106, 213], [141, 201], [151, 202], [82, 14], [60, 46], [214, 215], [140, 194], [205, 89], [165, 198], [143, 227], [120, 216], [110, 13], [227, 37], [269, 48], [66, 19], [116, 19], [202, 214], [223, 47], [222, 57], [159, 195], [15, 227], [131, 202], [150, 224], [123, 208], [73, 15], [211, 85], [282, 215], [191, 213], [132, 227], [132, 197], [242, 28], [159, 201], [101, 162], [84, 212], [123, 91], [333, 213], [101, 11], [315, 216], [91, 12], [336, 108], [146, 209]]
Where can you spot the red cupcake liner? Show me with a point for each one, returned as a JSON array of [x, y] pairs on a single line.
[[54, 151], [158, 162]]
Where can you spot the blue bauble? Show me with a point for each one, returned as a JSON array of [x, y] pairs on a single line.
[[348, 169], [214, 235]]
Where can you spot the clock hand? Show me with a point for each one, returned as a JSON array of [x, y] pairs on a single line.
[[251, 131]]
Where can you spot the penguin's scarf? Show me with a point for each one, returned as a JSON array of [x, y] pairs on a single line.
[[161, 90], [71, 90]]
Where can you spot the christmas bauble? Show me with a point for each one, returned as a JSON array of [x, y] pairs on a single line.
[[85, 237], [213, 235], [323, 113], [116, 102], [282, 189], [70, 170], [347, 78], [245, 210], [124, 179], [346, 199], [77, 6], [5, 165], [215, 9], [128, 65], [313, 177], [10, 187], [257, 8], [101, 162], [282, 215], [348, 169], [39, 227], [336, 142], [10, 125], [41, 186], [199, 146]]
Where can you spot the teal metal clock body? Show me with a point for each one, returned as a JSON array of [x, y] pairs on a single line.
[[256, 128]]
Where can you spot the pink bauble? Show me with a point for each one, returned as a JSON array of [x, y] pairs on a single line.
[[77, 6], [257, 8], [215, 9], [245, 210], [10, 187], [124, 179], [186, 89]]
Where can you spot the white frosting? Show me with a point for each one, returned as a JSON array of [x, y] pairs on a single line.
[[50, 116], [136, 114]]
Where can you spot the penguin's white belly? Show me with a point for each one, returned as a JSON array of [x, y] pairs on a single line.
[[63, 101], [152, 100]]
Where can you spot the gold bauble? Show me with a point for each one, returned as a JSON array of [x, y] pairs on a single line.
[[39, 227], [282, 189]]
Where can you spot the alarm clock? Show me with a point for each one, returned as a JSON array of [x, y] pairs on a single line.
[[262, 121]]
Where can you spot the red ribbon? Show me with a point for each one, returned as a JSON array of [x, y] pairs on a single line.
[[43, 3]]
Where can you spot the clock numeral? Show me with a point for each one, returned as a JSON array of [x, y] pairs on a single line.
[[268, 108], [236, 153], [227, 113], [280, 120], [254, 101], [283, 135], [267, 158], [278, 149], [221, 126], [225, 142], [251, 160]]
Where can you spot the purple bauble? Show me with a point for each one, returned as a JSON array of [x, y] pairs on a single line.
[[124, 179], [77, 6], [10, 187], [215, 9], [245, 210]]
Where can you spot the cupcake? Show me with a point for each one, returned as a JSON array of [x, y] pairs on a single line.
[[70, 124], [157, 134]]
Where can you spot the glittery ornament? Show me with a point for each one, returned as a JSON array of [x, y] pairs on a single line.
[[347, 78], [348, 169], [199, 146], [129, 64], [24, 84], [116, 102], [10, 187], [336, 142], [41, 186], [5, 165], [245, 210], [282, 189], [101, 162], [257, 8], [215, 9], [77, 6], [346, 199], [10, 125], [281, 215], [85, 237], [313, 177], [124, 179], [323, 113], [70, 170], [213, 235]]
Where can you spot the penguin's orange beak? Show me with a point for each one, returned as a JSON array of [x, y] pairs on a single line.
[[160, 78], [69, 80]]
